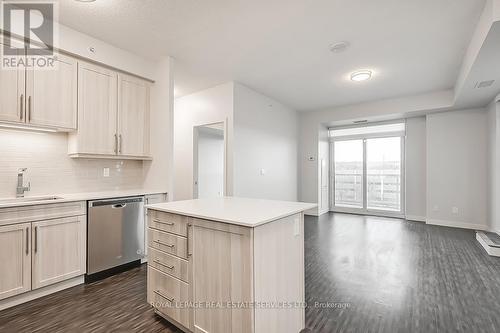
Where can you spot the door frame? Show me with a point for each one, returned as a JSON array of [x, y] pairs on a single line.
[[195, 156], [365, 210]]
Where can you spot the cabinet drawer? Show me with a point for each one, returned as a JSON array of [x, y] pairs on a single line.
[[169, 264], [176, 224], [168, 296], [167, 242]]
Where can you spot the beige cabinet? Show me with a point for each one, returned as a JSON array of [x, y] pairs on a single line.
[[15, 259], [97, 98], [52, 95], [221, 265], [150, 199], [40, 97], [58, 250], [238, 279], [12, 93], [113, 115], [133, 116], [40, 245]]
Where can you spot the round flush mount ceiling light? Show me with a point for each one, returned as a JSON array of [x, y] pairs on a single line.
[[362, 75], [339, 47]]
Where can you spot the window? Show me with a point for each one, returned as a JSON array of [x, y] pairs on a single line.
[[368, 168]]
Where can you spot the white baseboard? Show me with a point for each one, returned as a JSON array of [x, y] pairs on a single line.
[[492, 251], [416, 218], [455, 224], [324, 212], [34, 294]]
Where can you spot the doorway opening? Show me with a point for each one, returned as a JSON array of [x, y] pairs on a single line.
[[367, 169], [209, 161]]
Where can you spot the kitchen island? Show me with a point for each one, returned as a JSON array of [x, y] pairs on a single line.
[[228, 264]]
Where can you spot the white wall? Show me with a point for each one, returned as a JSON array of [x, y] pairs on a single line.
[[311, 122], [158, 173], [415, 163], [205, 107], [494, 165], [457, 166], [265, 138], [323, 171], [210, 162]]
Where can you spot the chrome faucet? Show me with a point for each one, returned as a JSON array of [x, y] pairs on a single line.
[[20, 183]]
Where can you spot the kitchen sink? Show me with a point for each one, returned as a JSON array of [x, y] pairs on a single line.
[[29, 199]]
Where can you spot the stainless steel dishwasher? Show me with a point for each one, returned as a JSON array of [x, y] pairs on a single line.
[[115, 236]]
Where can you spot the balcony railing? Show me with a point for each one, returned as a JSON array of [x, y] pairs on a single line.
[[383, 192]]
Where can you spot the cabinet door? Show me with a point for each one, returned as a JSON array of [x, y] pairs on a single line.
[[58, 250], [12, 95], [133, 116], [15, 259], [52, 94], [97, 95], [221, 272]]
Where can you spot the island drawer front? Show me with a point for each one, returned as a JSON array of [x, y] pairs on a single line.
[[168, 264], [169, 296], [176, 224], [166, 242]]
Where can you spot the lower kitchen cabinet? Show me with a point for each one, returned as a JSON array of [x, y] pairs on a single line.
[[40, 246], [151, 199], [15, 259], [58, 250]]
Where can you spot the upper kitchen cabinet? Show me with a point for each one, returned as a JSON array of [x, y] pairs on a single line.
[[12, 93], [133, 116], [40, 97], [113, 115], [97, 111], [52, 95]]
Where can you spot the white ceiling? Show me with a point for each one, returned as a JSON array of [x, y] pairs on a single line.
[[281, 47]]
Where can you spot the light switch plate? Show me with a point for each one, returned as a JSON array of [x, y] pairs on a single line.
[[105, 172]]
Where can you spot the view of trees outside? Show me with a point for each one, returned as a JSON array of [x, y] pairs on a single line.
[[383, 167]]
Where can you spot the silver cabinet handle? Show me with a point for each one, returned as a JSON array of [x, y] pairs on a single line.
[[21, 116], [27, 240], [162, 222], [159, 293], [36, 239], [189, 252], [116, 144], [167, 245], [29, 108], [164, 265], [120, 145]]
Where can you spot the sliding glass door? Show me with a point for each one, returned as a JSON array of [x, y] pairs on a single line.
[[383, 170], [348, 159], [367, 173]]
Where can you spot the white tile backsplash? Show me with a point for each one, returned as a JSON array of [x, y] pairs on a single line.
[[51, 171]]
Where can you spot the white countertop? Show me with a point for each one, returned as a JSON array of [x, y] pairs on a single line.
[[83, 196], [240, 211]]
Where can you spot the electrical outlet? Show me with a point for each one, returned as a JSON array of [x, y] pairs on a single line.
[[106, 172], [454, 210], [435, 208]]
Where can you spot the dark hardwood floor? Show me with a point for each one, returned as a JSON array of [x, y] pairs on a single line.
[[363, 274], [116, 304], [391, 275]]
